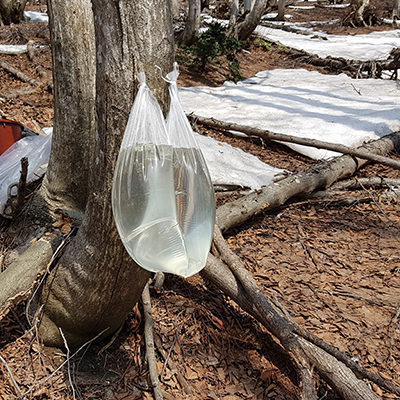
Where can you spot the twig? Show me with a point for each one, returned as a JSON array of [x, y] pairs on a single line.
[[186, 387], [319, 144], [68, 365], [148, 332], [362, 183], [61, 365], [11, 376], [21, 187], [111, 341], [380, 208]]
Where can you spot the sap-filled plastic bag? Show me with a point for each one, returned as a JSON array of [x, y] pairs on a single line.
[[155, 194]]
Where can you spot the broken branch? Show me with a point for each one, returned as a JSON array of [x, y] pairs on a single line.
[[267, 135], [319, 177], [150, 354]]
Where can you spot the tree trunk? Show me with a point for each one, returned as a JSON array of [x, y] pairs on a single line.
[[243, 29], [358, 13], [396, 9], [11, 11], [281, 10], [96, 283], [191, 31], [66, 183]]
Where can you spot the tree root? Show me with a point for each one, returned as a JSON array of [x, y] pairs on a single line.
[[20, 279]]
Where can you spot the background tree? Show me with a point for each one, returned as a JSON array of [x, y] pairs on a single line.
[[192, 26], [242, 28], [11, 11], [360, 13], [281, 10], [396, 9]]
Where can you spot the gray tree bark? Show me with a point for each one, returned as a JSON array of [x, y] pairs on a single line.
[[11, 11], [66, 184], [281, 10], [396, 9], [96, 283], [243, 29], [191, 31]]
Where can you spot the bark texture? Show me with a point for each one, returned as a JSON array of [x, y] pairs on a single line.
[[191, 31], [396, 9], [242, 30], [73, 50], [11, 11], [96, 283]]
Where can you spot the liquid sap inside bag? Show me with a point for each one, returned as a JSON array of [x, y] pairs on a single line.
[[162, 196]]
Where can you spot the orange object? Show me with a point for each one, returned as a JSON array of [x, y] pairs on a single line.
[[10, 132]]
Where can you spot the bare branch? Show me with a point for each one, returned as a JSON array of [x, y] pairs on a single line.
[[150, 354], [266, 135]]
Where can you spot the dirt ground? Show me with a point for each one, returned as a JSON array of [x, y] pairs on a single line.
[[331, 261]]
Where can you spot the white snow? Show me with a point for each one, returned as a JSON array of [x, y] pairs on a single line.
[[302, 103], [232, 166], [336, 5], [301, 8], [373, 46], [35, 16], [13, 48]]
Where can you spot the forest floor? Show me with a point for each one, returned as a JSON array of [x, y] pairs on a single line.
[[332, 262]]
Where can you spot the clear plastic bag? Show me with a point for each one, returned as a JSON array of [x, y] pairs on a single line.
[[194, 193], [154, 194], [37, 148]]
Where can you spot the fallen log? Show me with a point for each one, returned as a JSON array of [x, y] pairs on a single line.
[[319, 144], [319, 177], [17, 93], [17, 73]]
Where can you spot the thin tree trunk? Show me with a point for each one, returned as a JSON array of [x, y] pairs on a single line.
[[281, 10], [191, 31], [242, 30], [396, 9], [66, 184], [12, 11], [234, 12]]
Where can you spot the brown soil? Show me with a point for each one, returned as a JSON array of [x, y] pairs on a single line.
[[332, 262]]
